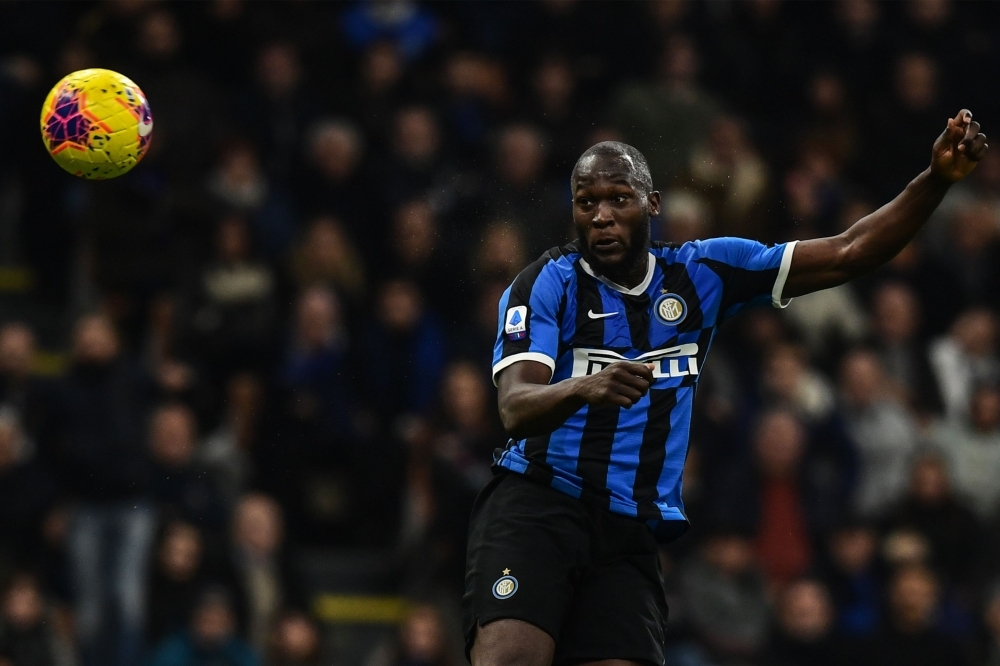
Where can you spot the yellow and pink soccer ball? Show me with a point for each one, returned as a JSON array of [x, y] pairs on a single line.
[[96, 124]]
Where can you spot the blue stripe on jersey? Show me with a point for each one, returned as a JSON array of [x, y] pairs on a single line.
[[628, 460]]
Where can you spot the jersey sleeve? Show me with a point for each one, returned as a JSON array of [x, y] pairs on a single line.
[[752, 273], [528, 326]]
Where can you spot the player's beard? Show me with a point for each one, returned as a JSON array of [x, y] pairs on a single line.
[[633, 262]]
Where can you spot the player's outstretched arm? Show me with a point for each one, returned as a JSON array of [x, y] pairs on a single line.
[[530, 406], [875, 239]]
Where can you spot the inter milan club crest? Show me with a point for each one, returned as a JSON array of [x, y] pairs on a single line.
[[670, 309], [506, 586]]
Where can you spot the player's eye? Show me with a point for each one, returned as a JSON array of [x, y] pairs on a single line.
[[582, 201], [621, 198]]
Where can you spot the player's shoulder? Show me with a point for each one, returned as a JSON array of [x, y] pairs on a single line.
[[726, 249], [555, 264]]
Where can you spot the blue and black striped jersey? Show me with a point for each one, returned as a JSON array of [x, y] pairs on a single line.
[[560, 313]]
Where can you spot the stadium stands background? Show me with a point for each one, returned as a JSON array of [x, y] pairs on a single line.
[[245, 396]]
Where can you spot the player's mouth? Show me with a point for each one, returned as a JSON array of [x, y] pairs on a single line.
[[607, 247]]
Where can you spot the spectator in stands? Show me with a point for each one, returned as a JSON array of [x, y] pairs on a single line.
[[502, 253], [991, 621], [725, 595], [235, 318], [327, 256], [523, 194], [239, 186], [335, 152], [228, 452], [421, 641], [853, 578], [727, 168], [788, 381], [896, 319], [97, 432], [669, 116], [405, 351], [967, 356], [26, 636], [278, 110], [971, 448], [179, 576], [210, 640], [909, 637], [178, 485], [295, 641], [781, 497], [883, 430], [468, 433], [416, 168], [315, 367], [973, 253], [420, 253], [804, 635], [27, 493], [955, 536], [258, 537], [17, 381]]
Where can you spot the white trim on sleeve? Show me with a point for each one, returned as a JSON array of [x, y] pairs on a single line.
[[779, 282], [523, 356]]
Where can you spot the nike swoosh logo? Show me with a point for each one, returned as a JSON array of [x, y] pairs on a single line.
[[594, 315]]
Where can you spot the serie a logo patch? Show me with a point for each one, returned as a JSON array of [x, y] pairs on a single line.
[[506, 586], [515, 324]]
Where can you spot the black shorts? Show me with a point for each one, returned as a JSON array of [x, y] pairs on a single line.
[[589, 578]]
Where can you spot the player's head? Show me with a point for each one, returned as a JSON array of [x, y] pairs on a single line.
[[613, 199]]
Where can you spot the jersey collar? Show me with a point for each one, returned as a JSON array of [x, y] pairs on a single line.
[[637, 290]]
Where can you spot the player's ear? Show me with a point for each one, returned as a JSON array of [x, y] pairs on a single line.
[[653, 201]]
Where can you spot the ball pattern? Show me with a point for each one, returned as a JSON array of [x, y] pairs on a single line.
[[96, 124]]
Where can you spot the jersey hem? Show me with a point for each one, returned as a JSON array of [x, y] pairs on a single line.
[[524, 356], [779, 282]]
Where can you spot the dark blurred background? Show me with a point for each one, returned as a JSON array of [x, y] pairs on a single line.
[[245, 397]]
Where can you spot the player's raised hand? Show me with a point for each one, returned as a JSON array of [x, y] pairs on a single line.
[[619, 385], [959, 148]]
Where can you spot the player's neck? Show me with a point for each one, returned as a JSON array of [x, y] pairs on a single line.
[[630, 275]]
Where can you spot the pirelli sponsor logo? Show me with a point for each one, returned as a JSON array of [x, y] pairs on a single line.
[[679, 361]]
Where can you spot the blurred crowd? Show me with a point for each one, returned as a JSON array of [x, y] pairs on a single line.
[[274, 336]]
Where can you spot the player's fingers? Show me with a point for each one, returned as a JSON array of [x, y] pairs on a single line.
[[979, 147], [956, 126], [633, 381], [971, 132], [630, 395], [643, 370]]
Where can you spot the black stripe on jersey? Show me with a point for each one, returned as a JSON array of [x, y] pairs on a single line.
[[653, 451], [637, 313], [595, 454], [535, 449], [676, 280], [589, 332], [520, 294], [739, 284]]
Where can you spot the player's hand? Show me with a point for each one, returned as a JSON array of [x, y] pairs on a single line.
[[619, 385], [959, 148]]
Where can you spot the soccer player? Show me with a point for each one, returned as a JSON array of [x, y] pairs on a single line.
[[599, 348]]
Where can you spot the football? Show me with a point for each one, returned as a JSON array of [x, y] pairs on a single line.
[[96, 124]]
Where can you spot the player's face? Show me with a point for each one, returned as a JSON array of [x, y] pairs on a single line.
[[612, 216]]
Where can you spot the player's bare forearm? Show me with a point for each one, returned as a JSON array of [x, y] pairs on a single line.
[[530, 406], [873, 240]]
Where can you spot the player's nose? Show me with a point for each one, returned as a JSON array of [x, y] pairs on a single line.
[[603, 215]]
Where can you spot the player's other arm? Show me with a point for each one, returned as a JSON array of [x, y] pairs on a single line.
[[875, 239], [530, 406]]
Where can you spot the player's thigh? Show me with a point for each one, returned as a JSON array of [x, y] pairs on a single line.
[[527, 546], [512, 643], [618, 615]]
